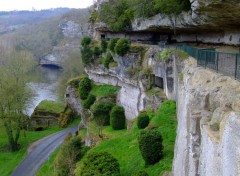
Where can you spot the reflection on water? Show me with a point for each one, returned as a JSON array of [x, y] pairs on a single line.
[[44, 87]]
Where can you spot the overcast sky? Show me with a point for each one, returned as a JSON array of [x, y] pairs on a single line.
[[7, 5]]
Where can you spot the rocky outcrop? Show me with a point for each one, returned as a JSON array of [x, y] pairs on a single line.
[[212, 21], [208, 124]]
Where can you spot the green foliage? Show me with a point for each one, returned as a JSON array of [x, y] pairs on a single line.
[[123, 144], [74, 82], [104, 90], [89, 101], [96, 51], [169, 7], [143, 120], [51, 106], [122, 47], [65, 118], [165, 54], [112, 43], [143, 8], [99, 164], [104, 45], [116, 14], [108, 59], [150, 145], [84, 88], [117, 118], [87, 55], [86, 41], [70, 152], [101, 112], [140, 173]]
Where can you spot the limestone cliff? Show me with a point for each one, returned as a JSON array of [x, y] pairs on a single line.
[[208, 124]]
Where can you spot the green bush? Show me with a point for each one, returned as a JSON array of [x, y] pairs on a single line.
[[86, 54], [99, 164], [101, 112], [117, 118], [66, 159], [89, 101], [84, 88], [108, 59], [140, 173], [122, 47], [86, 41], [150, 145], [65, 118], [96, 51], [74, 82], [112, 44], [104, 45], [143, 120]]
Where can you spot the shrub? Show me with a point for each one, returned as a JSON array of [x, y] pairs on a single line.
[[104, 45], [89, 101], [86, 41], [70, 152], [99, 164], [117, 118], [108, 59], [96, 51], [84, 88], [143, 120], [101, 112], [122, 47], [112, 44], [65, 118], [150, 145], [140, 173], [74, 82], [86, 54]]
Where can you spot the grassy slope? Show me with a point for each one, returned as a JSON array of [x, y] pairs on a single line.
[[51, 106], [125, 146], [104, 90], [9, 160]]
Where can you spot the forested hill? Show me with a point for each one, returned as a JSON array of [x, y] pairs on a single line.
[[13, 20]]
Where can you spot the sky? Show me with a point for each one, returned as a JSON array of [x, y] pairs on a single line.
[[9, 5]]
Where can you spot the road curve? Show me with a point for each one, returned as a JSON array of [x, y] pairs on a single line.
[[40, 153]]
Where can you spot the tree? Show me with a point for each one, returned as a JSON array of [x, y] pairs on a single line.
[[117, 118], [101, 163], [101, 113], [122, 47], [14, 95], [150, 145], [143, 120], [70, 153], [84, 88]]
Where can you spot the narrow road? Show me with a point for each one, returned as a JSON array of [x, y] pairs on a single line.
[[40, 153]]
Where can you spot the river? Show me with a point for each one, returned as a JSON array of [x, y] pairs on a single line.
[[44, 86]]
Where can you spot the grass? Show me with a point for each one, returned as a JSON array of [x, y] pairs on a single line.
[[9, 160], [51, 106], [123, 144], [104, 90], [156, 91]]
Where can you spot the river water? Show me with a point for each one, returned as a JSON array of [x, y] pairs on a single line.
[[44, 87]]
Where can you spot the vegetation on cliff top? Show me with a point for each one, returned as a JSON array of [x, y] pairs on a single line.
[[118, 14]]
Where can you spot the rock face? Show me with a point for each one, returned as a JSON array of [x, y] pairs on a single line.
[[208, 124], [214, 21], [132, 95]]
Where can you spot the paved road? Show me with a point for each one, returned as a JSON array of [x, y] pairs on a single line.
[[40, 153]]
